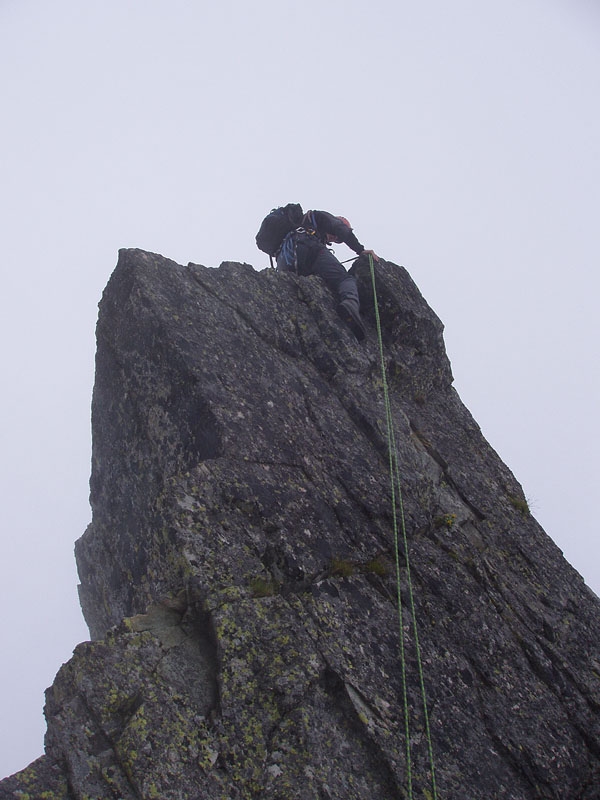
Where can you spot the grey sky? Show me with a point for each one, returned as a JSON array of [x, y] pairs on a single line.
[[461, 139]]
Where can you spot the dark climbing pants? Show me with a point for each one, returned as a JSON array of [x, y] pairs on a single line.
[[327, 267], [323, 263]]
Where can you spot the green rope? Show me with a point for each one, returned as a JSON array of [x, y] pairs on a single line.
[[398, 510]]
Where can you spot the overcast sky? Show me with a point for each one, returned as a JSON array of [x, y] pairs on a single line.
[[461, 139]]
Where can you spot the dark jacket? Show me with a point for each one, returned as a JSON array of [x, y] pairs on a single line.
[[301, 247], [323, 223]]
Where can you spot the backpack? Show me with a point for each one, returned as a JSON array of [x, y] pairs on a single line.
[[276, 225]]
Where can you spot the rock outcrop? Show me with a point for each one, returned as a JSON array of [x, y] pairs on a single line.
[[239, 574]]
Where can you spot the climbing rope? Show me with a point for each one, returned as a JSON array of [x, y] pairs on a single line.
[[398, 514]]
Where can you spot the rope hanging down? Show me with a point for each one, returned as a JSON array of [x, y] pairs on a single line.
[[398, 514]]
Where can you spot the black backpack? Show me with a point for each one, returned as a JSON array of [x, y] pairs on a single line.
[[276, 225]]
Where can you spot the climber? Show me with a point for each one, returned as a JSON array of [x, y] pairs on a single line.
[[304, 250]]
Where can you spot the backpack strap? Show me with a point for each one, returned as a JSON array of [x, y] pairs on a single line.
[[308, 223]]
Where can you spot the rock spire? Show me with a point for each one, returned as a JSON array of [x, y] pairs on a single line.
[[239, 578]]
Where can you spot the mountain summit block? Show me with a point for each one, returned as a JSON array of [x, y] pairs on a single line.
[[239, 576]]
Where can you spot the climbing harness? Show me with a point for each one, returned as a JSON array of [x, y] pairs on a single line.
[[398, 516], [288, 251]]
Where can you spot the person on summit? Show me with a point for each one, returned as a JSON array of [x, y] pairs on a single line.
[[304, 250]]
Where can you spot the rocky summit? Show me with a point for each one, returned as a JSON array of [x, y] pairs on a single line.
[[255, 630]]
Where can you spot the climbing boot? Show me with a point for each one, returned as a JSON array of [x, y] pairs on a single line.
[[348, 311]]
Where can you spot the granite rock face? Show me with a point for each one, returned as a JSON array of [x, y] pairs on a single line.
[[239, 576]]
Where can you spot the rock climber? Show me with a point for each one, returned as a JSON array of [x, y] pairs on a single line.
[[304, 250]]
